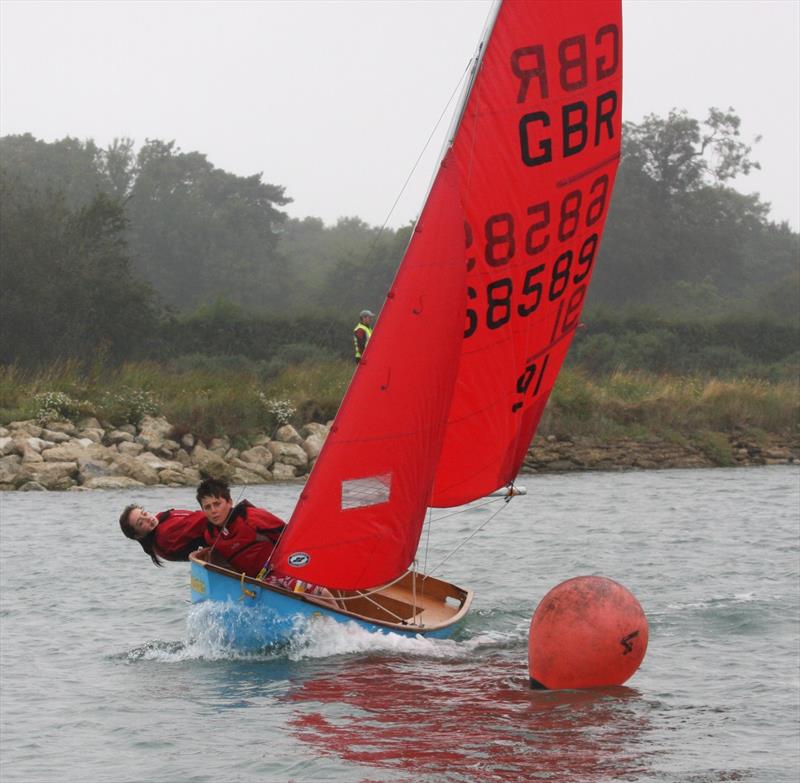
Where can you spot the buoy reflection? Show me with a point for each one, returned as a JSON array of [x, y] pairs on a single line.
[[462, 721]]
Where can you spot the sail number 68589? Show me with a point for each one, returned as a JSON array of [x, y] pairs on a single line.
[[501, 302]]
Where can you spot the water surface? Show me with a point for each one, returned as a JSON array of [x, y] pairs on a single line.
[[108, 674]]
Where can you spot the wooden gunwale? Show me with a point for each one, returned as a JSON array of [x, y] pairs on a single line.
[[427, 609]]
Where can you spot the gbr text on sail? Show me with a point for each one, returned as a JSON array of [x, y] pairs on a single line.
[[570, 64]]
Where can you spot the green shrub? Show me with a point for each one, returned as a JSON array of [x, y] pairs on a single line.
[[716, 447], [128, 406], [53, 406]]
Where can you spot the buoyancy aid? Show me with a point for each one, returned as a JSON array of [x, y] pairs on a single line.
[[367, 331], [179, 532], [247, 539]]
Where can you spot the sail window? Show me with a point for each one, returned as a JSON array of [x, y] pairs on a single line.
[[368, 491]]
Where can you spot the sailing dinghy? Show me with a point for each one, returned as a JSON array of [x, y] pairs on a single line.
[[442, 408]]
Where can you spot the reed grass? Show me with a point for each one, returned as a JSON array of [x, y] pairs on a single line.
[[227, 396], [638, 403]]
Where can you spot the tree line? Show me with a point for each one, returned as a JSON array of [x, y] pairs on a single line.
[[154, 253]]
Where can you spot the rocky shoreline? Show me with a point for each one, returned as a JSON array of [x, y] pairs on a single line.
[[84, 455]]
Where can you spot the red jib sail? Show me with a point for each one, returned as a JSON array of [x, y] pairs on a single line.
[[359, 517], [445, 402]]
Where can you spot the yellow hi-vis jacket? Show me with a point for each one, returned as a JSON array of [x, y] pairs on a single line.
[[367, 331]]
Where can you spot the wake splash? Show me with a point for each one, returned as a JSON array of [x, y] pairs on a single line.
[[230, 632]]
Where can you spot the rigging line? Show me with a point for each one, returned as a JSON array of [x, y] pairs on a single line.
[[374, 590], [387, 610], [471, 508], [378, 236], [470, 536], [419, 157], [427, 538]]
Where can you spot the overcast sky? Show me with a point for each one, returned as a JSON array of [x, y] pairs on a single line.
[[336, 100]]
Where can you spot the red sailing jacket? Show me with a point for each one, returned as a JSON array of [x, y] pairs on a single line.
[[178, 533], [248, 538]]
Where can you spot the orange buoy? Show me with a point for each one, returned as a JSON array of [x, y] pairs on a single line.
[[587, 632]]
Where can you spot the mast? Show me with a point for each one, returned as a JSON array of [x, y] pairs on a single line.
[[455, 123], [477, 60]]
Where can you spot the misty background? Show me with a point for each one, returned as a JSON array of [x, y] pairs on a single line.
[[212, 179]]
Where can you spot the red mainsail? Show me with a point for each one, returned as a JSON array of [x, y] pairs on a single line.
[[468, 345]]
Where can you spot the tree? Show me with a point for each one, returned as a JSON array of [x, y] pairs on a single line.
[[680, 154], [678, 237], [66, 288], [68, 166], [199, 233], [366, 262]]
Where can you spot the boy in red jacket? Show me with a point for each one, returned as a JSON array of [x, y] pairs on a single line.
[[244, 536]]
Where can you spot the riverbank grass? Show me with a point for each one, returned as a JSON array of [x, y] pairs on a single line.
[[237, 399]]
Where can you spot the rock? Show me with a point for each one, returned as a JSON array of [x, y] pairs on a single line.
[[88, 423], [53, 436], [281, 472], [168, 448], [253, 467], [172, 477], [258, 455], [37, 444], [188, 441], [112, 482], [129, 428], [153, 431], [31, 455], [231, 454], [242, 476], [777, 453], [133, 468], [193, 476], [94, 435], [288, 454], [315, 428], [7, 446], [91, 468], [9, 468], [30, 426], [211, 465], [5, 487], [3, 432], [312, 445], [32, 486], [157, 463], [288, 434], [219, 445], [75, 449], [562, 465], [64, 427], [182, 456], [51, 475], [130, 449], [261, 440], [118, 436]]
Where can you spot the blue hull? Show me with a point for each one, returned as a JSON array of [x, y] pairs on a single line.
[[252, 615]]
